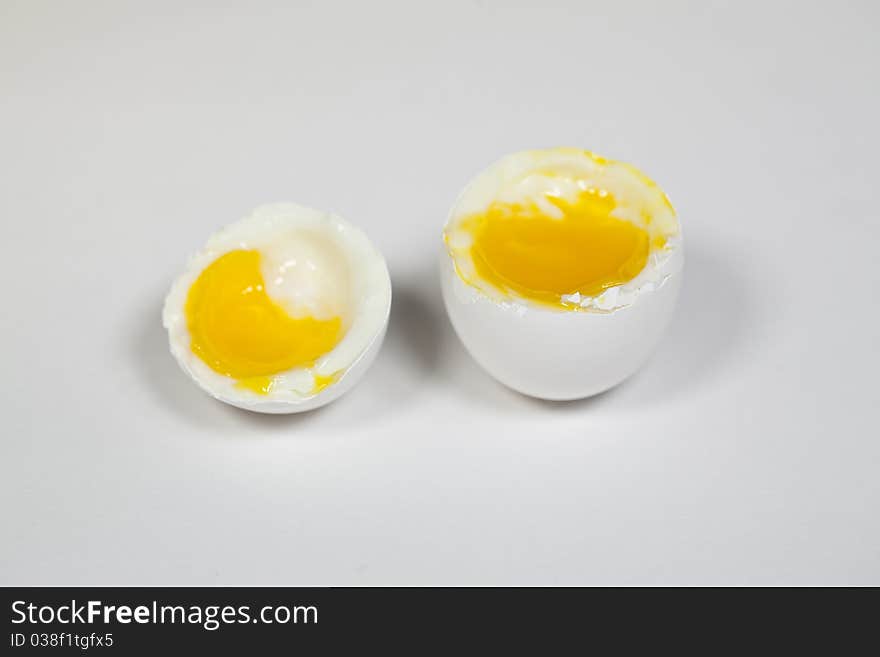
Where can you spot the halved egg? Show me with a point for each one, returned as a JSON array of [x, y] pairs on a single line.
[[560, 270], [280, 312]]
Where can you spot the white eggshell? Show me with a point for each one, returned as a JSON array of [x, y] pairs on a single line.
[[559, 355]]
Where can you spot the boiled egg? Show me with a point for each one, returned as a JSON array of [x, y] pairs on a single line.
[[280, 312], [560, 271]]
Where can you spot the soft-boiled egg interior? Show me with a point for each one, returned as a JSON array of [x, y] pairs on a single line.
[[238, 329], [279, 307], [559, 228]]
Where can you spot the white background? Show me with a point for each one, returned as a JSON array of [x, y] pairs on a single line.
[[745, 452]]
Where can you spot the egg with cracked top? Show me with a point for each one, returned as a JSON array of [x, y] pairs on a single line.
[[560, 271]]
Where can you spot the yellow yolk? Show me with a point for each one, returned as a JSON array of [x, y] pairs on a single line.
[[261, 385], [520, 248], [322, 382], [240, 332]]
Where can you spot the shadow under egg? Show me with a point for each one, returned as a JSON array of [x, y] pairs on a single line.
[[708, 332]]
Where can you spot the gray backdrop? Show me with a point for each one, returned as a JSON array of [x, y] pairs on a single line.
[[746, 452]]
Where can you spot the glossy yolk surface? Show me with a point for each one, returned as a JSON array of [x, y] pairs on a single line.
[[239, 331], [520, 248]]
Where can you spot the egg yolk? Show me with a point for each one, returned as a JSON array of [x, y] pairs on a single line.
[[240, 332], [582, 249]]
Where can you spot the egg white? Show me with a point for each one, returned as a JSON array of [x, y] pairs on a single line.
[[314, 264]]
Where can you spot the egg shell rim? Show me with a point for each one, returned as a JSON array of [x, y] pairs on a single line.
[[509, 298]]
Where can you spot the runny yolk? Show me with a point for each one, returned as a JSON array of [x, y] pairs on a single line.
[[520, 248], [240, 332]]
